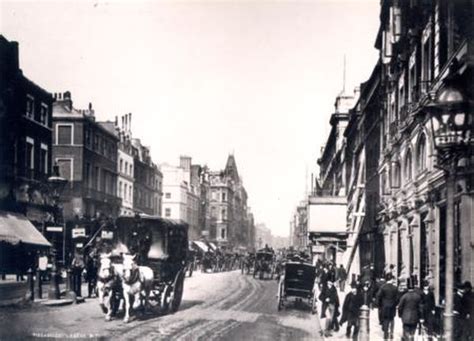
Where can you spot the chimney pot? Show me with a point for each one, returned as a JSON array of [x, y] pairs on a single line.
[[67, 95]]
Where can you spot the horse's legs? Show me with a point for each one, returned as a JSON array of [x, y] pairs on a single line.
[[126, 298]]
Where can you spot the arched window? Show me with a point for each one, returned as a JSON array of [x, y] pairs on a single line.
[[408, 166], [421, 154]]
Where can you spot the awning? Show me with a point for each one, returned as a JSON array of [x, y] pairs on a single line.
[[15, 228], [201, 245], [213, 246]]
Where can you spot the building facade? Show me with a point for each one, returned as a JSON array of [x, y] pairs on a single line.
[[389, 166], [25, 155], [148, 181], [125, 165], [422, 45]]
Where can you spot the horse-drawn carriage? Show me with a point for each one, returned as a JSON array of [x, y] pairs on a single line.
[[298, 280], [263, 264], [149, 257]]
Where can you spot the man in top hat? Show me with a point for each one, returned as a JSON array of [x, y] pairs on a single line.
[[459, 311], [350, 311], [387, 299], [330, 301], [468, 304], [428, 309], [409, 309]]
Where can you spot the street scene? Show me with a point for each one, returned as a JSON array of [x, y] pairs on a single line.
[[237, 170]]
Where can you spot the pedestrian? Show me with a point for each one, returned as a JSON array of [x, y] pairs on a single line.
[[367, 294], [459, 312], [351, 310], [468, 304], [341, 276], [91, 275], [410, 311], [428, 310], [331, 301], [42, 265], [387, 300], [380, 284], [77, 266]]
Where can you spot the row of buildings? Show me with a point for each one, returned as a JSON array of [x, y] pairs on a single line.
[[109, 172], [381, 169]]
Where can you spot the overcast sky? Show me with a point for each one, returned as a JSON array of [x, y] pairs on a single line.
[[205, 79]]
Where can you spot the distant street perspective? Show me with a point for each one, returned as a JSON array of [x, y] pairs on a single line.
[[237, 170]]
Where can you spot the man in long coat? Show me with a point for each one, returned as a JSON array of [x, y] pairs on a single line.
[[387, 299], [410, 311], [351, 310], [330, 300]]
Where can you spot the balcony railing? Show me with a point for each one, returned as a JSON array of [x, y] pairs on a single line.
[[90, 193]]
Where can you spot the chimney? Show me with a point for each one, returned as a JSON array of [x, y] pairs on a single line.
[[185, 162], [90, 110], [116, 122], [130, 122], [123, 120], [66, 99], [126, 123]]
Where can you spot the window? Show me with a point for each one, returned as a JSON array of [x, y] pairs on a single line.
[[131, 170], [64, 134], [88, 138], [30, 153], [88, 174], [30, 106], [126, 167], [43, 166], [408, 166], [44, 111], [395, 178], [121, 166], [167, 212], [223, 196], [168, 195], [223, 233], [421, 154], [412, 81], [125, 194], [65, 168], [97, 178], [120, 189], [223, 214]]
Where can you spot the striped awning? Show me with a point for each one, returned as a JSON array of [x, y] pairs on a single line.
[[201, 245], [15, 228]]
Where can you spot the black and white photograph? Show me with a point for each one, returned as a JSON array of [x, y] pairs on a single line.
[[237, 170]]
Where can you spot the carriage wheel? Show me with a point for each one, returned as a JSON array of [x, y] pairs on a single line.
[[178, 294], [165, 299]]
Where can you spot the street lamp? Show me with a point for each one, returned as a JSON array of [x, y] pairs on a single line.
[[451, 124], [56, 185]]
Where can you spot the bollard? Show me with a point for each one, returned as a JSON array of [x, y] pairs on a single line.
[[39, 285], [364, 323], [54, 292], [31, 285]]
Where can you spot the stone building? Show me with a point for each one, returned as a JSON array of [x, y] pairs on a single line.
[[86, 152], [25, 159], [422, 44], [181, 200], [228, 207], [125, 165], [147, 179]]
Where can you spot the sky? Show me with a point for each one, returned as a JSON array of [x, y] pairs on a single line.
[[257, 79]]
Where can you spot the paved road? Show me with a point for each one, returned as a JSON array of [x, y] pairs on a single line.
[[221, 306]]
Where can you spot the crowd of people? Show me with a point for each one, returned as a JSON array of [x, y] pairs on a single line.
[[414, 305]]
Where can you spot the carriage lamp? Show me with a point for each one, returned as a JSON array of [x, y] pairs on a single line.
[[451, 119], [56, 185]]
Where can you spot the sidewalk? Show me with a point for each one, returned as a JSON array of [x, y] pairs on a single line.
[[375, 329]]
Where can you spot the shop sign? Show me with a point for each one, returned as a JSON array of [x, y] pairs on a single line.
[[54, 228], [107, 235], [78, 232]]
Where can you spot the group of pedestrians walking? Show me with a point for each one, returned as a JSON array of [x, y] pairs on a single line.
[[414, 305]]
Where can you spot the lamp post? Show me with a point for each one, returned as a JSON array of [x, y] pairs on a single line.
[[451, 124], [56, 184]]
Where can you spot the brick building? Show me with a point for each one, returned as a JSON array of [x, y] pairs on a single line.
[[86, 152]]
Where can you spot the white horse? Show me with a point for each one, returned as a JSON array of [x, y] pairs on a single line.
[[109, 284], [137, 282]]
